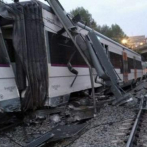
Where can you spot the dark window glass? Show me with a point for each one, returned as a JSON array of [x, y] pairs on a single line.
[[130, 64], [138, 64], [116, 60], [10, 49], [61, 49], [3, 54]]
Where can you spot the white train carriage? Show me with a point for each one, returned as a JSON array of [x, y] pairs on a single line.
[[60, 49], [9, 95], [126, 62]]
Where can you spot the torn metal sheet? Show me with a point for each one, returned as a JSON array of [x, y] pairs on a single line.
[[10, 105], [31, 59], [73, 107], [81, 115], [57, 101], [40, 140], [66, 131]]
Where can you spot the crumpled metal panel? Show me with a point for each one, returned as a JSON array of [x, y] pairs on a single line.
[[67, 131], [10, 105], [29, 44], [40, 140]]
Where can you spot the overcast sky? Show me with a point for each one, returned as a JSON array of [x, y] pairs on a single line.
[[130, 15]]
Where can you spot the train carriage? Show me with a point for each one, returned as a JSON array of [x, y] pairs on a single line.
[[126, 62], [59, 51]]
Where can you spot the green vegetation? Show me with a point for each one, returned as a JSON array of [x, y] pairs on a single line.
[[114, 31]]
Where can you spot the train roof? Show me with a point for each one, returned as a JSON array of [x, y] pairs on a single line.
[[49, 9], [106, 38]]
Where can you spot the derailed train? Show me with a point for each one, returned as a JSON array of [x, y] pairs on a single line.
[[34, 59]]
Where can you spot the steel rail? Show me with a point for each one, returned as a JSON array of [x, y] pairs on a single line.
[[135, 126], [10, 126]]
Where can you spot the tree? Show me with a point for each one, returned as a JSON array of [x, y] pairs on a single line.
[[114, 32], [105, 30], [85, 15], [117, 33]]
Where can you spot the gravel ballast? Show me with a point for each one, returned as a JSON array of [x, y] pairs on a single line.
[[100, 131]]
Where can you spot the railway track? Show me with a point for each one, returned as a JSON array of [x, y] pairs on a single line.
[[8, 122], [138, 135], [133, 132], [32, 136]]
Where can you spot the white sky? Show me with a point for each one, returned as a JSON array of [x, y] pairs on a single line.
[[130, 15]]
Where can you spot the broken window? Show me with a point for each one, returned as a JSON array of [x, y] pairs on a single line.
[[61, 49], [3, 53], [116, 60]]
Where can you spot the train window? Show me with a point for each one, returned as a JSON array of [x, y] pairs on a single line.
[[138, 64], [116, 60], [130, 64], [3, 55], [10, 49], [61, 49], [7, 36]]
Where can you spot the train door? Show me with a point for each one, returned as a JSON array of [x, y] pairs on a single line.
[[135, 69], [125, 67]]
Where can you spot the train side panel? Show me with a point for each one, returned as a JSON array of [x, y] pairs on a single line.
[[60, 77]]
